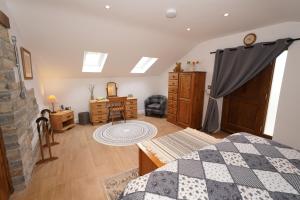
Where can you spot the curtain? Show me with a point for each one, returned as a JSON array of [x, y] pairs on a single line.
[[233, 68]]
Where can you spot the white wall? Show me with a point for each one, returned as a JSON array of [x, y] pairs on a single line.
[[75, 93], [288, 111]]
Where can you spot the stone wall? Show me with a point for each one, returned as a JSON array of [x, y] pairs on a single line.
[[16, 116]]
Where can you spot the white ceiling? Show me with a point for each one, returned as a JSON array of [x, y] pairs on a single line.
[[58, 31]]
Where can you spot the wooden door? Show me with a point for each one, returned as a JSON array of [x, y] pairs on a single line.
[[245, 109], [5, 182], [184, 99]]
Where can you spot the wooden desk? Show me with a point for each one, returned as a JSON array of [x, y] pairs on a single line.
[[62, 120], [99, 110]]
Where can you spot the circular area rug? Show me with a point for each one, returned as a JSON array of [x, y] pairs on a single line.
[[124, 134]]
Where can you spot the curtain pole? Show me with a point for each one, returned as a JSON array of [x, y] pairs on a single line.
[[296, 39]]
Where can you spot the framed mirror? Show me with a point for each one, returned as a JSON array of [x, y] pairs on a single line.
[[111, 89]]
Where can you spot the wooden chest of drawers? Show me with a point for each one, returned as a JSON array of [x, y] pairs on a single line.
[[172, 97], [99, 110], [62, 120]]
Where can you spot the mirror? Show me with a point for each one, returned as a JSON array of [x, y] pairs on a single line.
[[111, 89]]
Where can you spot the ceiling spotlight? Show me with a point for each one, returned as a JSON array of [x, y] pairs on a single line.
[[188, 29], [107, 7], [226, 14], [171, 13]]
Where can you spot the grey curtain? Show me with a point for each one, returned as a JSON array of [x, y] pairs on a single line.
[[233, 68]]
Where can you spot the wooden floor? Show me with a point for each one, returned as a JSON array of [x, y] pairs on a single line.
[[84, 164]]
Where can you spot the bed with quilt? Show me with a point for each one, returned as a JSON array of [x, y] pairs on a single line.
[[241, 166]]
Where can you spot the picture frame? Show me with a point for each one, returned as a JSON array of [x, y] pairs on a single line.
[[27, 64]]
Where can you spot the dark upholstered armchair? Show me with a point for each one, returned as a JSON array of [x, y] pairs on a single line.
[[155, 104]]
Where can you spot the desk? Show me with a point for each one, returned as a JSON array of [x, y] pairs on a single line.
[[62, 120], [99, 110]]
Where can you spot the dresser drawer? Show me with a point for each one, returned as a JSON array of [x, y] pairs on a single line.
[[131, 102], [172, 96], [171, 118], [131, 114], [172, 111], [131, 107], [173, 89], [99, 118], [173, 83], [172, 104], [98, 106], [173, 76], [67, 116], [99, 111]]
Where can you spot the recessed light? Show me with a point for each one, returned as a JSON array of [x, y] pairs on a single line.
[[226, 14], [107, 7], [188, 29]]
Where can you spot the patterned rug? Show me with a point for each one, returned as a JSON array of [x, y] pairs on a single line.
[[115, 185], [124, 134]]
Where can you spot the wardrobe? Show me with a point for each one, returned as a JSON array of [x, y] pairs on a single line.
[[185, 98]]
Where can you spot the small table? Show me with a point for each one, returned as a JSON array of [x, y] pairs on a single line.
[[62, 120]]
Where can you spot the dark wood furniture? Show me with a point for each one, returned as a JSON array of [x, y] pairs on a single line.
[[99, 110], [245, 109], [185, 98], [62, 120], [116, 105], [5, 179]]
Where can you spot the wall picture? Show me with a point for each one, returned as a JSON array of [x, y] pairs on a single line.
[[26, 62]]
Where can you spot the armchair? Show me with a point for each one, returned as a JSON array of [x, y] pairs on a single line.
[[155, 104]]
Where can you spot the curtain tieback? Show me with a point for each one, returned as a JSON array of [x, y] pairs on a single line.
[[212, 98]]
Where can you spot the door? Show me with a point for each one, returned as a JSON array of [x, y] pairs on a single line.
[[5, 183], [184, 99], [245, 109]]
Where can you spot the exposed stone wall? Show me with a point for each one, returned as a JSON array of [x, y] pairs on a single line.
[[16, 116]]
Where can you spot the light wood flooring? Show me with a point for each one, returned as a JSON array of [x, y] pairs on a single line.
[[84, 164]]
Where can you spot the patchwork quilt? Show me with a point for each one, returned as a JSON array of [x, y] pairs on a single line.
[[241, 166]]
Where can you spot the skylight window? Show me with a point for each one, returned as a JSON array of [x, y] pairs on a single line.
[[143, 65], [93, 61]]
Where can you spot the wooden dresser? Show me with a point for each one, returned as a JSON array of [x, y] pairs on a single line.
[[185, 98], [62, 120], [99, 110]]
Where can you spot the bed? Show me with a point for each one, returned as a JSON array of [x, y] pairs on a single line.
[[241, 166]]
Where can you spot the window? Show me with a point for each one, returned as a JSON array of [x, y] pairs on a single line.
[[275, 93], [93, 61], [143, 65]]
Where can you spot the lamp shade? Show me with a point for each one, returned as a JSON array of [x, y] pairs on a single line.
[[51, 98]]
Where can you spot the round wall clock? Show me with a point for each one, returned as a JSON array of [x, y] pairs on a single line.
[[249, 39]]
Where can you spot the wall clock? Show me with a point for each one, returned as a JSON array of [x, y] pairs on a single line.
[[249, 39]]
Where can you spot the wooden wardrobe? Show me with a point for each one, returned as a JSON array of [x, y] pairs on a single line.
[[185, 98]]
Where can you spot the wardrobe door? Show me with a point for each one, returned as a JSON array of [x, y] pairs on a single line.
[[184, 99]]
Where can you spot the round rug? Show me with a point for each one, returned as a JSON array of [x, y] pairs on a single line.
[[124, 134]]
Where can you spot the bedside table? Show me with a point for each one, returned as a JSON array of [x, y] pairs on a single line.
[[62, 120]]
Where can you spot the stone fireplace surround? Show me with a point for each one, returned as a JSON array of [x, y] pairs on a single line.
[[17, 117]]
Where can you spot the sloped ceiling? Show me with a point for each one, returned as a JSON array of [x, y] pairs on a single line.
[[58, 31]]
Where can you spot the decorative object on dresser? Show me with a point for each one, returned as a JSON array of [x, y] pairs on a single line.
[[43, 131], [91, 89], [62, 120], [52, 101], [116, 105], [185, 98], [193, 63], [99, 110], [178, 67], [111, 89], [155, 104]]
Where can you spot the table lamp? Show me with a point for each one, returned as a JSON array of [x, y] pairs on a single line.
[[52, 100]]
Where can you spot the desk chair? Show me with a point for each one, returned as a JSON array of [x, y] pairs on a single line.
[[117, 105]]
